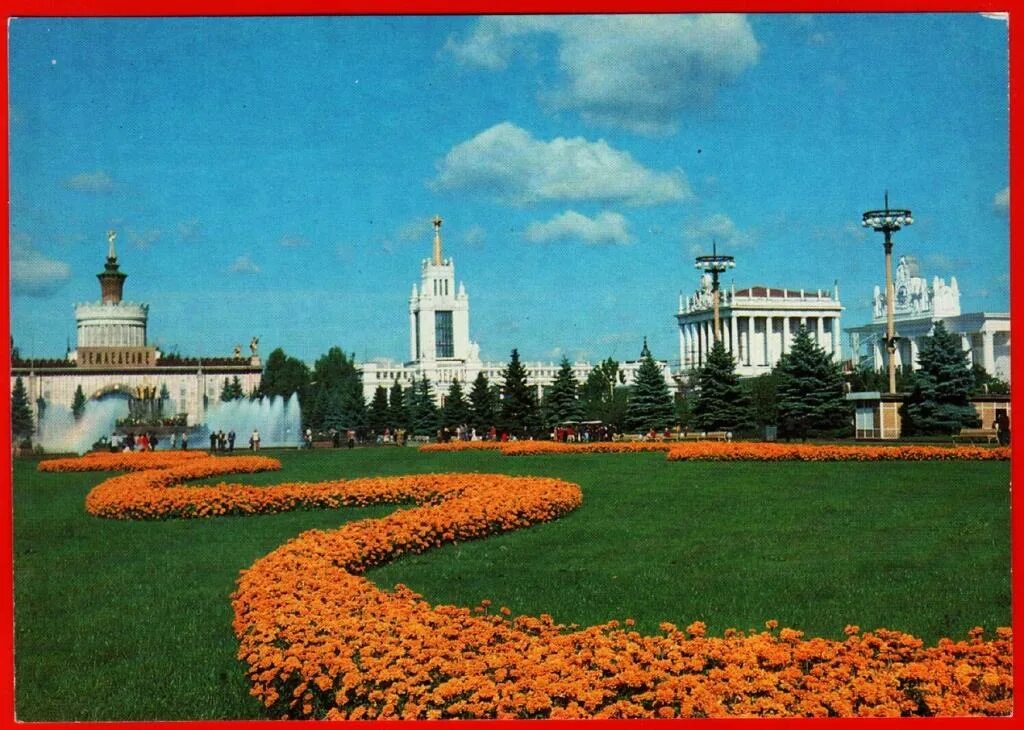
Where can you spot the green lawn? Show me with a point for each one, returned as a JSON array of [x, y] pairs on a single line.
[[132, 620]]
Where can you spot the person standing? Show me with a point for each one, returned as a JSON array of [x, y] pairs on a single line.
[[184, 440], [231, 441], [213, 442], [254, 440], [174, 441]]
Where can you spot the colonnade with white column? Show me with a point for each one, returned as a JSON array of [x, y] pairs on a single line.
[[756, 340]]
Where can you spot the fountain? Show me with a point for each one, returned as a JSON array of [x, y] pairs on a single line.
[[61, 432], [278, 420]]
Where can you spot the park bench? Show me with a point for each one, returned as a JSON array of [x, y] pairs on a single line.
[[705, 436], [988, 435]]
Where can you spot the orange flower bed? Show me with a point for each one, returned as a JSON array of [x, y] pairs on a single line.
[[322, 641], [463, 446], [122, 461], [737, 450], [538, 448], [752, 451]]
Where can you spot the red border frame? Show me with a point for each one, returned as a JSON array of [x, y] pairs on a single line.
[[86, 8]]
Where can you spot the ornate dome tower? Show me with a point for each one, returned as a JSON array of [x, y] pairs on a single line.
[[112, 331]]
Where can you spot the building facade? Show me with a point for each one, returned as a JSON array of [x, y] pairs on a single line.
[[918, 305], [758, 324], [440, 348], [113, 357]]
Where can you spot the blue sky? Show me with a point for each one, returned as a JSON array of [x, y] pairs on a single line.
[[277, 176]]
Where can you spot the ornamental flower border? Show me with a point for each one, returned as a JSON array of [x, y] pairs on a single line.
[[736, 450], [322, 641]]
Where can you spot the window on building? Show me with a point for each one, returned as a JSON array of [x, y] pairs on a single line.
[[443, 335]]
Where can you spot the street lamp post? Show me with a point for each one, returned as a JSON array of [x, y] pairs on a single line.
[[888, 221], [715, 264]]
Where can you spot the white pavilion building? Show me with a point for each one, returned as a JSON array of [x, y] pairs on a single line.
[[758, 324], [918, 305]]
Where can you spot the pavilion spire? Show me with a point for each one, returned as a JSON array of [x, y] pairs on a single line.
[[437, 240]]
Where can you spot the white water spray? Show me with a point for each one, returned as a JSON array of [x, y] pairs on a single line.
[[278, 420], [60, 432]]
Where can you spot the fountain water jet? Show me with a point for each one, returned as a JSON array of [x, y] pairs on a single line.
[[60, 432], [278, 420]]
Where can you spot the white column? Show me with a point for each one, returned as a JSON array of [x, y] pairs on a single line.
[[750, 330], [769, 351], [785, 335], [965, 345], [733, 338], [821, 332], [837, 347], [879, 360], [913, 352], [988, 359]]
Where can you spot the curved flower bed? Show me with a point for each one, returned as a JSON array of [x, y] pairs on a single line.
[[463, 446], [738, 450], [321, 641], [751, 451], [123, 461]]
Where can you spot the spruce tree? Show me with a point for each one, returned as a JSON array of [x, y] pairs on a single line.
[[236, 391], [811, 394], [377, 416], [650, 403], [398, 413], [940, 402], [353, 404], [722, 404], [21, 412], [78, 403], [334, 411], [456, 409], [483, 405], [423, 409], [518, 412], [561, 402]]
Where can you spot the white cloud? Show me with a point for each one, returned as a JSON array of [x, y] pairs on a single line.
[[715, 229], [475, 237], [509, 163], [293, 241], [1001, 201], [607, 227], [419, 229], [190, 230], [639, 72], [244, 265], [143, 239], [32, 273], [91, 182]]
